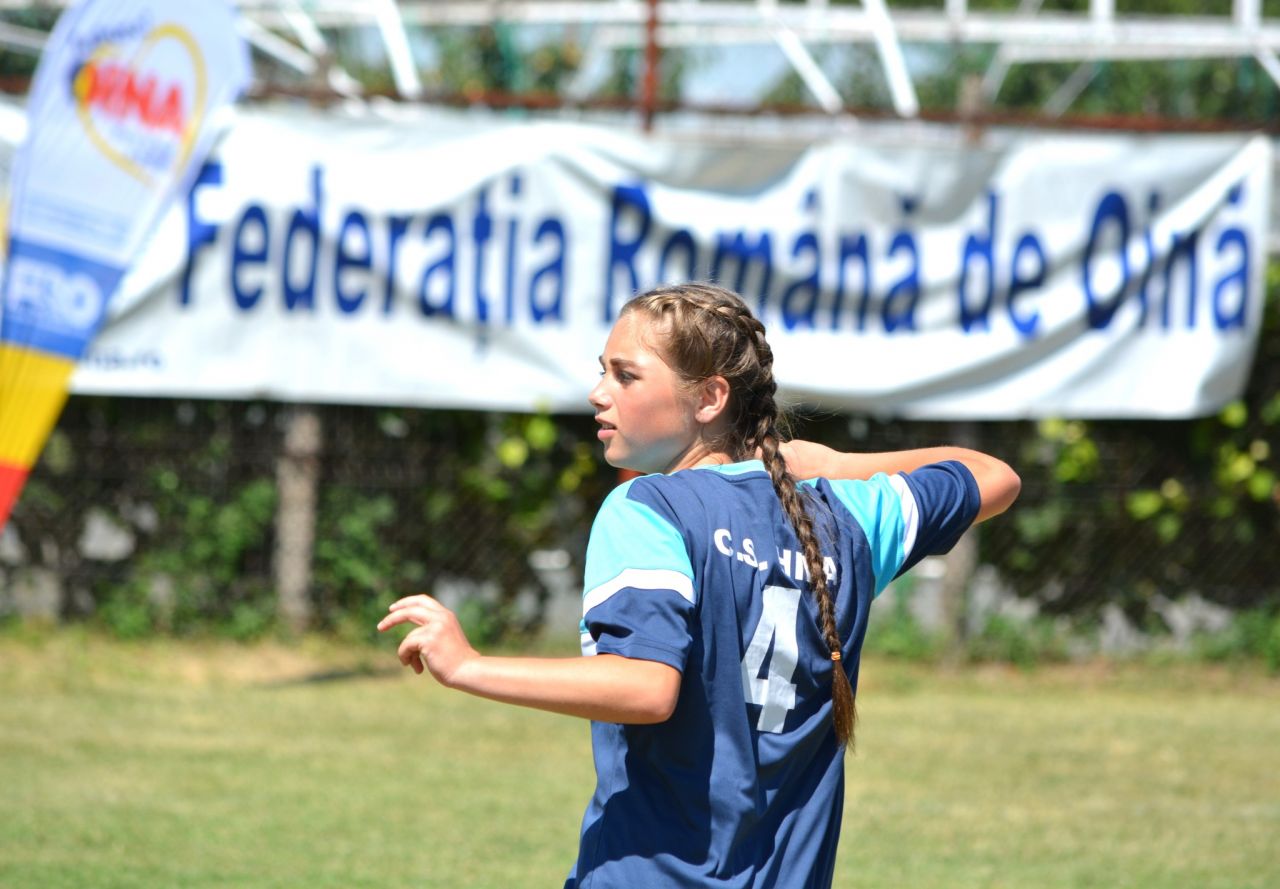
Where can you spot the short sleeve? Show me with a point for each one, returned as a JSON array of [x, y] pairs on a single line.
[[947, 501], [907, 516], [638, 598]]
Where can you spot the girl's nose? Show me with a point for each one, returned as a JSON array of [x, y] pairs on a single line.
[[597, 398]]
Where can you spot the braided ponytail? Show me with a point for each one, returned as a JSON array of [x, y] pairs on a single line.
[[843, 708], [710, 331]]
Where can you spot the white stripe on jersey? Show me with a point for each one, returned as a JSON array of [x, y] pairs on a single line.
[[588, 644], [643, 579], [910, 514]]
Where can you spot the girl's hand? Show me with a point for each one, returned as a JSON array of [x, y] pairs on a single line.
[[438, 643]]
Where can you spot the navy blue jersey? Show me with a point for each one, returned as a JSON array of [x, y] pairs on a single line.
[[744, 785]]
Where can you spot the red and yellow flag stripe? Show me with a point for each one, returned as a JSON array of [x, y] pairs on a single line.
[[33, 389]]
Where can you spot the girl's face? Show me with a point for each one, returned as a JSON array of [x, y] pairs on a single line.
[[647, 418]]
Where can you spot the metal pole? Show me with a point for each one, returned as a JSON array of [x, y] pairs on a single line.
[[649, 86]]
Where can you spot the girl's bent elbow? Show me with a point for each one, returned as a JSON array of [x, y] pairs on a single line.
[[1007, 491], [658, 704], [999, 487], [655, 709]]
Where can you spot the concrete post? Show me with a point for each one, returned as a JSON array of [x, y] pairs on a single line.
[[297, 481]]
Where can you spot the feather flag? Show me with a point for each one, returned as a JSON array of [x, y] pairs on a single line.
[[118, 122]]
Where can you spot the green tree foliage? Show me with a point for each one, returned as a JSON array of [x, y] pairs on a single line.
[[1128, 511], [467, 498], [626, 73]]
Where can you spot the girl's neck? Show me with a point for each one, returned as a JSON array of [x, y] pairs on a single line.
[[699, 454]]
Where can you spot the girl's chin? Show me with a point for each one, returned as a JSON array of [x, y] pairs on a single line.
[[622, 463]]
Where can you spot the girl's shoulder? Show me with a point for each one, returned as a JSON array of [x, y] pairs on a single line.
[[689, 493]]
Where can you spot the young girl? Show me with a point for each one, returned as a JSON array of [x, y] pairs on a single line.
[[724, 609]]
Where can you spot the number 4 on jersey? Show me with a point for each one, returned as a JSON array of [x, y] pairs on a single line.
[[776, 693]]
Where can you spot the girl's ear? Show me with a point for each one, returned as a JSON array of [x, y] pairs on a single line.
[[713, 398]]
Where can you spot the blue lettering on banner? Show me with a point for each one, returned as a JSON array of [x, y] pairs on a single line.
[[199, 232], [1237, 279], [1179, 262], [1113, 213], [305, 224], [904, 294], [481, 229], [442, 268], [249, 251], [300, 256], [979, 249], [487, 259], [994, 283], [745, 253], [679, 243], [1024, 279], [800, 299], [396, 228], [360, 262], [852, 247], [623, 252], [546, 288]]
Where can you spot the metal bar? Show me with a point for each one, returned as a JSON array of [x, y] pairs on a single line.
[[1071, 89], [993, 77], [276, 46], [403, 71], [895, 67], [649, 94], [1226, 42], [27, 40], [1247, 13], [1267, 59], [1119, 51], [304, 27], [807, 67], [339, 80], [742, 22]]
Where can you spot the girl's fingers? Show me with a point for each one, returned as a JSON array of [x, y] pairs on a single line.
[[421, 600], [392, 620], [415, 615], [410, 651]]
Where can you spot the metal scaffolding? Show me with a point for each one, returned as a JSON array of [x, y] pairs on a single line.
[[293, 33]]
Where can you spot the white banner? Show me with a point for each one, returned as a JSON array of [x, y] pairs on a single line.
[[435, 261]]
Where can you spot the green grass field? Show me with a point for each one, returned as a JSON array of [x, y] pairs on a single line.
[[172, 765]]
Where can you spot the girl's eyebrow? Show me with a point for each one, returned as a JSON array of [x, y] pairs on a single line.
[[619, 362]]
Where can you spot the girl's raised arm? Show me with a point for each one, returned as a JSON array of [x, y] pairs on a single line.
[[998, 484]]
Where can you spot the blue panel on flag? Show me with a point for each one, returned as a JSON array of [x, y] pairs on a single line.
[[53, 300]]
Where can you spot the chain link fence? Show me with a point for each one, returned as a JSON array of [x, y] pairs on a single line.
[[174, 515]]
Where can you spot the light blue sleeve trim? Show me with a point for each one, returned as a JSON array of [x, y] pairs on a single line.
[[878, 506], [630, 535], [734, 468]]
